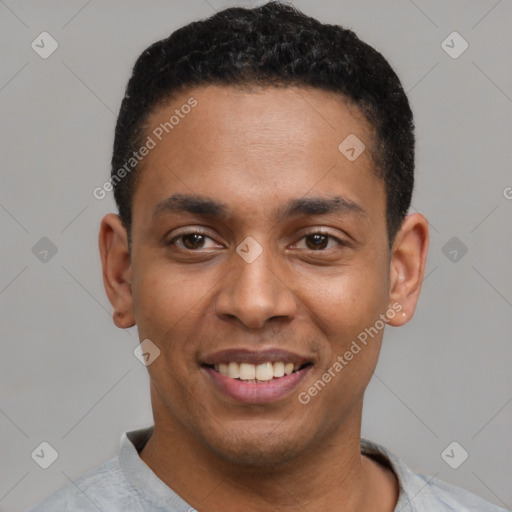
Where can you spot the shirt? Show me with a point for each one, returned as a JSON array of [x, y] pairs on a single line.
[[125, 483]]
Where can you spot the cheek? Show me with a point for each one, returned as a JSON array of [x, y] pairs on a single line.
[[348, 314], [167, 302], [345, 302]]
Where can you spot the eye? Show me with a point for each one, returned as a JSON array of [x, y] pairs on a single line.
[[192, 241], [319, 241]]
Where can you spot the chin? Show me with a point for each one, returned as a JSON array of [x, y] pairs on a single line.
[[254, 455], [259, 447]]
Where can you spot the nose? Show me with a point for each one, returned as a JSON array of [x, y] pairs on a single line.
[[256, 292]]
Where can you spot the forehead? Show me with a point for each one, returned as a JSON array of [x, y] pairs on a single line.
[[257, 147]]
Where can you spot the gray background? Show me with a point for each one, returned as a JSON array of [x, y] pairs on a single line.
[[68, 375]]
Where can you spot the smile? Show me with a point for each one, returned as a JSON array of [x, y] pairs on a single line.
[[256, 372], [255, 377]]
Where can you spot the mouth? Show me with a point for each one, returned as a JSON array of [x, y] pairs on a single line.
[[256, 377], [257, 373]]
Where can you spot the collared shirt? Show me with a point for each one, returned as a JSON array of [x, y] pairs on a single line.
[[125, 484]]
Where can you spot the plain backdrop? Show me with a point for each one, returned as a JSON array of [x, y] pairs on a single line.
[[69, 376]]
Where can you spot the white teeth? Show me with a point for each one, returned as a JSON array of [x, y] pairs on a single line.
[[278, 369], [233, 370], [264, 371], [288, 368], [247, 371], [258, 372]]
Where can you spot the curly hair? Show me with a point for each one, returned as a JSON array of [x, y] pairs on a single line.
[[272, 45]]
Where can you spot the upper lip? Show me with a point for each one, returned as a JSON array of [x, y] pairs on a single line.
[[270, 355]]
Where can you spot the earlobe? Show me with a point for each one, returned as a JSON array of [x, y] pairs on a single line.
[[122, 321], [116, 269], [407, 267]]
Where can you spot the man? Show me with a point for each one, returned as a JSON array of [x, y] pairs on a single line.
[[263, 168]]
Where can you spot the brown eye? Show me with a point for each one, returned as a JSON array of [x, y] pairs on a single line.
[[193, 241], [317, 241]]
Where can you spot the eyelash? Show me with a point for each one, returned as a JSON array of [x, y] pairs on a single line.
[[324, 233], [187, 233], [202, 233]]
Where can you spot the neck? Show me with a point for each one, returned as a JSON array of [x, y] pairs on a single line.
[[331, 473]]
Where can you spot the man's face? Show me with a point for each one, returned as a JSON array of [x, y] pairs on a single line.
[[202, 296]]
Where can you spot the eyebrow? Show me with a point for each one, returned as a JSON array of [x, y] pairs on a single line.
[[197, 205], [208, 207]]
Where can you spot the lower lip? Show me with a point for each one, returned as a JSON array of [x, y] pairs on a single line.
[[257, 392]]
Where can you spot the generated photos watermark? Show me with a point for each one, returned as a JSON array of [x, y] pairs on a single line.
[[355, 348], [157, 135]]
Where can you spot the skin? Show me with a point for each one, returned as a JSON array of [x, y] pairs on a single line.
[[254, 150]]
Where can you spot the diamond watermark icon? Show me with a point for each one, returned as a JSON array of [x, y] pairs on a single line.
[[249, 249], [454, 249], [352, 147], [146, 352], [454, 45], [44, 45], [44, 250], [454, 455], [45, 455]]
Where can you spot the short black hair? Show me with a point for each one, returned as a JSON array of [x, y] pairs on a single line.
[[272, 45]]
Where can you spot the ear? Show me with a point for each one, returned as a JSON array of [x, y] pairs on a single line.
[[116, 265], [408, 261]]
